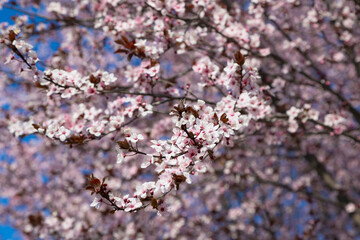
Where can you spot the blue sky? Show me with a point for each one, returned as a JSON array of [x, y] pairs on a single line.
[[9, 233]]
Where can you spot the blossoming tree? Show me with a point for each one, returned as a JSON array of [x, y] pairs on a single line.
[[181, 119]]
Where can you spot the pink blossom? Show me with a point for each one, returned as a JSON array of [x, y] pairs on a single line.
[[96, 203], [132, 204], [63, 133]]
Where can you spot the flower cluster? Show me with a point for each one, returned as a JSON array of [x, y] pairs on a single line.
[[9, 36], [199, 129], [304, 114], [68, 84]]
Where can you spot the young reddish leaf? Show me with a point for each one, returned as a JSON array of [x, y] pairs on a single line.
[[123, 144], [76, 139], [224, 118], [178, 179], [154, 203], [132, 44], [193, 112], [119, 41], [90, 188], [216, 119], [95, 183], [240, 59], [38, 85], [12, 35], [130, 56], [94, 80], [121, 51], [126, 41]]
